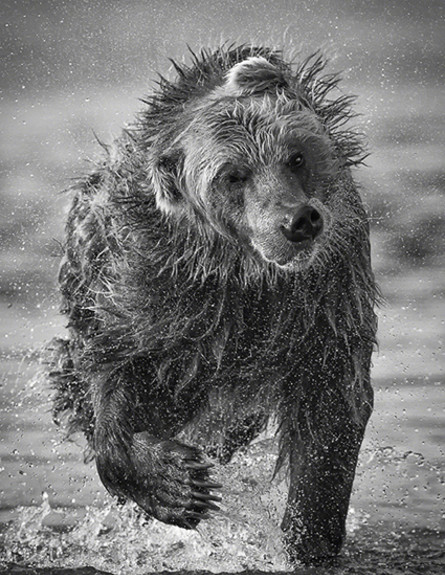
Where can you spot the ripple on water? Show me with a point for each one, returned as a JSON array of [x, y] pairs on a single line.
[[244, 536]]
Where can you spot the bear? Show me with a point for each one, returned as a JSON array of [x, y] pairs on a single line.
[[216, 275]]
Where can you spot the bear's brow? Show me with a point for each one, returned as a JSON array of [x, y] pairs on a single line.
[[258, 136], [247, 112]]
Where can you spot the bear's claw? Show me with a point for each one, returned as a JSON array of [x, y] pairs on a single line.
[[194, 515], [205, 496], [203, 504], [201, 500], [204, 484], [190, 464]]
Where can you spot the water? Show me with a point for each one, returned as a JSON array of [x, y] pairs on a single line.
[[76, 68], [55, 513]]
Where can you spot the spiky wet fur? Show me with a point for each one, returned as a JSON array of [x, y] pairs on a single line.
[[190, 313]]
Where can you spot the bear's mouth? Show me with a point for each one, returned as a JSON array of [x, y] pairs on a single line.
[[297, 255], [287, 255]]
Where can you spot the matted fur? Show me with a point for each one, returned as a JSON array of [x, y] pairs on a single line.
[[177, 301]]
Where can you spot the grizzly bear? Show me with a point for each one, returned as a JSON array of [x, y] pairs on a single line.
[[216, 274]]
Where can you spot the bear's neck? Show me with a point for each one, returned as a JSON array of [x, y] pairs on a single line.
[[225, 294], [185, 296]]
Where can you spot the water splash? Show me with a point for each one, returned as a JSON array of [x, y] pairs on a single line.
[[245, 535], [121, 539]]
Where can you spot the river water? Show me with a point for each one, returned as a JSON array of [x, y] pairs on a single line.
[[55, 513], [77, 68]]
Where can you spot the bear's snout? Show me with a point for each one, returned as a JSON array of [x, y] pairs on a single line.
[[307, 224]]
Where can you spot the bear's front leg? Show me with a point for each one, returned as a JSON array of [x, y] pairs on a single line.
[[168, 479], [323, 457]]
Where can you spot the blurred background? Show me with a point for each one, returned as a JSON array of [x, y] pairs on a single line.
[[74, 70]]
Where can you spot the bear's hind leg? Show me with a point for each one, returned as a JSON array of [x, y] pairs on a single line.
[[240, 434], [223, 426]]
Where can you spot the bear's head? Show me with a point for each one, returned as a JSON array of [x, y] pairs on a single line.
[[250, 159]]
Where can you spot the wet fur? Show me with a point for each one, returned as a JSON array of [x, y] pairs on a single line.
[[193, 321]]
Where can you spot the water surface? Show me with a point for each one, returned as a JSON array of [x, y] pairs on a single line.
[[73, 69]]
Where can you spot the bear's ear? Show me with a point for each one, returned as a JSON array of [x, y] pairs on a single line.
[[253, 76], [166, 177]]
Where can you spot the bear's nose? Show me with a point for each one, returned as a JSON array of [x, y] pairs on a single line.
[[306, 225]]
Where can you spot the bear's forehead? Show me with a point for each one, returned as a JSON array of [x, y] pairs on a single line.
[[254, 126], [253, 114]]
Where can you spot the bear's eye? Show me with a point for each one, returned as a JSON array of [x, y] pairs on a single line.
[[296, 161], [237, 177]]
